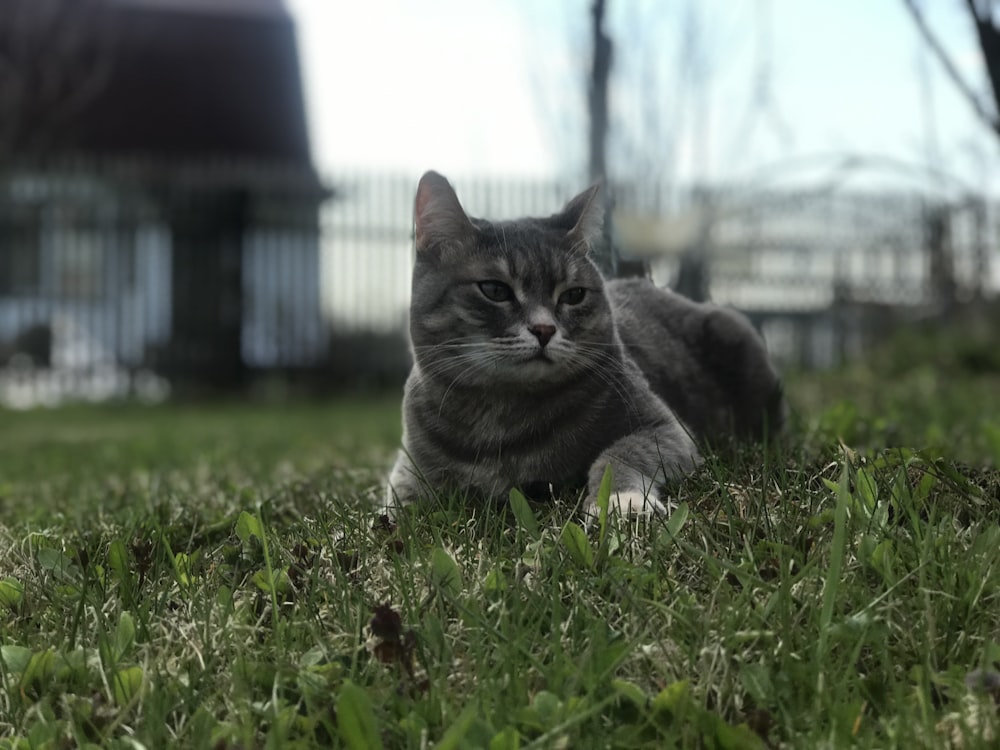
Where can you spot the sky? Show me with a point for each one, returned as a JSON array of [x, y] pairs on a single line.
[[700, 90]]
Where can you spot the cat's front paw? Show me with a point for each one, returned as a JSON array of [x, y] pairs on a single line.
[[630, 503], [393, 501], [634, 503], [403, 485]]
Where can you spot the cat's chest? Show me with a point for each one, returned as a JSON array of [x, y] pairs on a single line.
[[522, 432], [528, 440], [536, 453]]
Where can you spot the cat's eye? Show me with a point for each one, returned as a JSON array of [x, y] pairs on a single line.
[[573, 296], [496, 291]]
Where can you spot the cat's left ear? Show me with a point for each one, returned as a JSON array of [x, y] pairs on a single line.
[[584, 217]]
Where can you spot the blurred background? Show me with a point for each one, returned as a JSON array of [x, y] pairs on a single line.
[[201, 196]]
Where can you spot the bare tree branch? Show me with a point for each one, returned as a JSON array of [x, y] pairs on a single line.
[[992, 120], [598, 94], [982, 10], [989, 43]]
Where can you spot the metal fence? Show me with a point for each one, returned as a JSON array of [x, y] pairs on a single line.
[[126, 279], [822, 272], [826, 274], [108, 288]]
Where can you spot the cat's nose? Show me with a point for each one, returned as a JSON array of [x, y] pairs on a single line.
[[543, 332]]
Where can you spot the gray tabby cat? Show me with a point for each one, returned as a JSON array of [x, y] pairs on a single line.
[[532, 371]]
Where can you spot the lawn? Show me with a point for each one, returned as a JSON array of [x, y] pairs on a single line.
[[215, 576]]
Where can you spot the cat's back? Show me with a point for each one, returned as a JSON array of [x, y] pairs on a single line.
[[706, 361]]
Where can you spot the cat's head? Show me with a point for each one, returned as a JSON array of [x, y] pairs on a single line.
[[511, 303]]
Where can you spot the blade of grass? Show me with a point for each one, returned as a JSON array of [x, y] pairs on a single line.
[[831, 585]]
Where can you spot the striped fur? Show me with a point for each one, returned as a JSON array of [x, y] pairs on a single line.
[[547, 373]]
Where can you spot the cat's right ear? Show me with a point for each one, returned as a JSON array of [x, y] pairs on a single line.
[[438, 218]]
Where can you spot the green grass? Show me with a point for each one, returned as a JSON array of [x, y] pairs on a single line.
[[216, 577]]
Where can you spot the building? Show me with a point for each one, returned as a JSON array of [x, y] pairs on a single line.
[[158, 204]]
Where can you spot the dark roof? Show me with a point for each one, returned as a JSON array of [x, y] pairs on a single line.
[[158, 79], [272, 8]]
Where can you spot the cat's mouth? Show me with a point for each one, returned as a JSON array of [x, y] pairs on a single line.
[[539, 362]]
